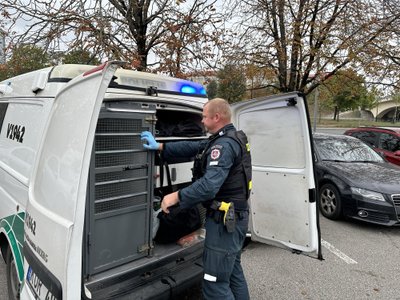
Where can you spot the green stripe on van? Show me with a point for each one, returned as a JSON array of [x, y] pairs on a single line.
[[14, 227]]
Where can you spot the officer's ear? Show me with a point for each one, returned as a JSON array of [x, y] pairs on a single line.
[[217, 117]]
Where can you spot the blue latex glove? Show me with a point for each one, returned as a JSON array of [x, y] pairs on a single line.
[[151, 143]]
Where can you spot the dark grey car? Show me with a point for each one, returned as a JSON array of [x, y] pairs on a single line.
[[354, 181]]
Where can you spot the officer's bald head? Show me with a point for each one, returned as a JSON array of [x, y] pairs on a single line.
[[220, 106]]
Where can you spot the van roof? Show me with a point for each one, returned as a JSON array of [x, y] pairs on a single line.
[[33, 82]]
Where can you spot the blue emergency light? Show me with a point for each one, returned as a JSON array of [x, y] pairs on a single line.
[[189, 89]]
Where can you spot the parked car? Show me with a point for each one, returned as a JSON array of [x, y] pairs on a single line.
[[356, 182], [384, 140]]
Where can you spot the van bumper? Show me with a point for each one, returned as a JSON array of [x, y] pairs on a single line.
[[173, 286], [184, 281], [151, 278]]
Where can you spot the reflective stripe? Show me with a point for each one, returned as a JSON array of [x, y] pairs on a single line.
[[13, 226], [209, 277]]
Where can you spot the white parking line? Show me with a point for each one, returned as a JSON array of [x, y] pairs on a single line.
[[337, 252]]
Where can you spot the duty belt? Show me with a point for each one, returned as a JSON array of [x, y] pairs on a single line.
[[218, 216]]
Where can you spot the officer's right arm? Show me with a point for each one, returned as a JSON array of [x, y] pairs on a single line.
[[183, 149]]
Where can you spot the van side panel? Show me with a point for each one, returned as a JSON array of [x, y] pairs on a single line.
[[20, 136], [22, 128]]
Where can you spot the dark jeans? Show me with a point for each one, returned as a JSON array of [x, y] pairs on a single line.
[[223, 274]]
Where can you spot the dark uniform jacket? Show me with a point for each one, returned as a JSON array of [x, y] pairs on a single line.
[[221, 155]]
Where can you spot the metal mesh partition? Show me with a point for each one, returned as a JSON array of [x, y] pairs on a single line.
[[120, 175], [119, 189], [120, 159], [114, 125], [120, 192], [109, 205], [119, 142]]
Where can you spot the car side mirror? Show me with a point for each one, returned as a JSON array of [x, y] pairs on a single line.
[[397, 153]]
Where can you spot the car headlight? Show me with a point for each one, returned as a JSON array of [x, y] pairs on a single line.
[[367, 194]]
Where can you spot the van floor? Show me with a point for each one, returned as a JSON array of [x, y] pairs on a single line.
[[162, 255]]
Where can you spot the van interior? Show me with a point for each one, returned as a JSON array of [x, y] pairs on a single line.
[[126, 183]]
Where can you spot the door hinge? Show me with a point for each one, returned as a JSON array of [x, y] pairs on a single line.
[[89, 242], [144, 247], [152, 119]]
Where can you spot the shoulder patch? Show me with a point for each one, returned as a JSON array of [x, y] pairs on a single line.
[[215, 153]]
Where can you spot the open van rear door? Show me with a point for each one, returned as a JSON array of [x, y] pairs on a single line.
[[283, 197], [57, 191]]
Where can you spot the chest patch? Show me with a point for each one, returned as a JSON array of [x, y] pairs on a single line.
[[215, 153]]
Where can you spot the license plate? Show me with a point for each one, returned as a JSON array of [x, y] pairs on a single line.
[[38, 289]]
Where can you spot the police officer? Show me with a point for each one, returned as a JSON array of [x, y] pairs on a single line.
[[222, 174]]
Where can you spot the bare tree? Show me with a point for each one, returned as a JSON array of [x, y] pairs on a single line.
[[129, 30], [307, 41], [384, 64], [191, 45]]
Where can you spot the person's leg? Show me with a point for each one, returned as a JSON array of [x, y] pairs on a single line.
[[218, 262], [238, 282], [221, 259]]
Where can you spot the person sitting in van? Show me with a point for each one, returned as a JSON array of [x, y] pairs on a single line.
[[222, 180]]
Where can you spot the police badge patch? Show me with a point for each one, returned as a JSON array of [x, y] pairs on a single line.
[[215, 154]]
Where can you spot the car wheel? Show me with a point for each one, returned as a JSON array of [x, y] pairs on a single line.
[[13, 283], [330, 202]]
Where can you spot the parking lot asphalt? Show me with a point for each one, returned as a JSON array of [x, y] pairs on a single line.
[[360, 262]]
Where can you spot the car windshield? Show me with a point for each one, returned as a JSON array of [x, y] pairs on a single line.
[[347, 150]]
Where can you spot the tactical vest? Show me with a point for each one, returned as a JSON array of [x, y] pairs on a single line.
[[233, 189]]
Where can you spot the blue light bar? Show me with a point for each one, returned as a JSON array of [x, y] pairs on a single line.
[[187, 89], [193, 89]]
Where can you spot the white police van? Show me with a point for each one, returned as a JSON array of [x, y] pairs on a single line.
[[77, 187]]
